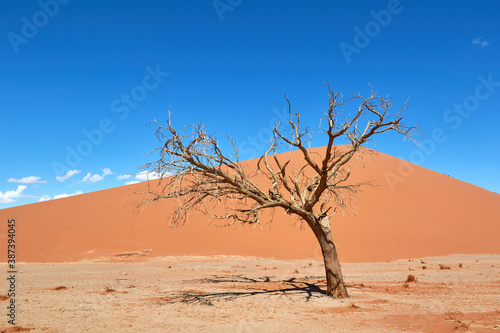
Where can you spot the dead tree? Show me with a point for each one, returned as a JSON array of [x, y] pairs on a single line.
[[195, 172]]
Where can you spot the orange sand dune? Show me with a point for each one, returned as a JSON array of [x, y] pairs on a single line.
[[422, 214]]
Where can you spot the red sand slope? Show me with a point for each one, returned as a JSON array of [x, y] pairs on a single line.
[[424, 214]]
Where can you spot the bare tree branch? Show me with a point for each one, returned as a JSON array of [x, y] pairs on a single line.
[[197, 174]]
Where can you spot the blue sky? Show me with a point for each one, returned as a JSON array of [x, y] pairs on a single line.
[[80, 81]]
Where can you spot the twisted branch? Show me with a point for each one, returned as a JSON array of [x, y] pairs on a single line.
[[196, 173]]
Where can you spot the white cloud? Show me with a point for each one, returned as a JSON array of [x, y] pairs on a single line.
[[27, 180], [140, 177], [480, 41], [147, 175], [68, 174], [10, 196], [64, 195], [44, 197], [89, 178], [86, 178]]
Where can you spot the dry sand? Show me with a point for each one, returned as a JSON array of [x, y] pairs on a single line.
[[238, 294]]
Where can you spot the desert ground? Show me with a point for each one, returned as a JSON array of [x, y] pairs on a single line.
[[457, 293]]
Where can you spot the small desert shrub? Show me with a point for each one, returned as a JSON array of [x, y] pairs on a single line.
[[410, 278], [353, 306], [296, 271], [60, 288], [424, 267], [460, 265], [441, 266]]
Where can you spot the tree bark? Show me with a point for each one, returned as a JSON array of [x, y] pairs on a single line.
[[334, 280]]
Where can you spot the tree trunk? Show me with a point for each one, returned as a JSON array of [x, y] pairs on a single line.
[[334, 280]]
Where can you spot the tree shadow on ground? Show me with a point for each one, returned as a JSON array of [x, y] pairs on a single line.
[[239, 286]]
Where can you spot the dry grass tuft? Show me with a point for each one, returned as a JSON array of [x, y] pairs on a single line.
[[453, 316], [109, 289], [4, 297], [352, 306], [460, 265], [424, 267], [441, 266], [460, 325]]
